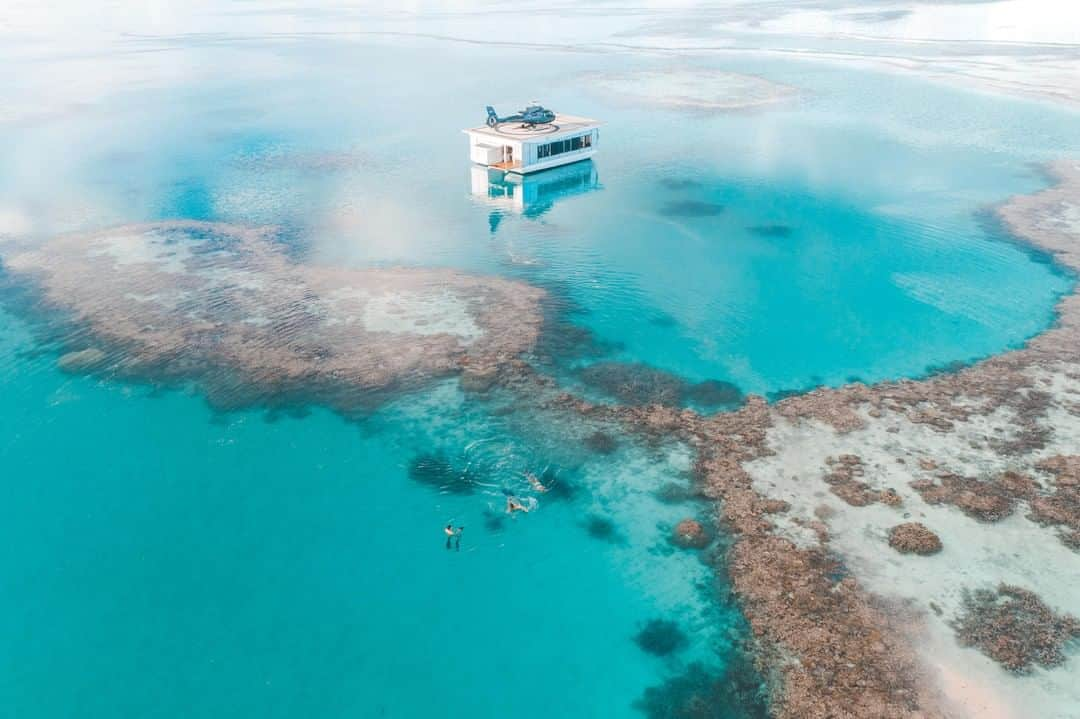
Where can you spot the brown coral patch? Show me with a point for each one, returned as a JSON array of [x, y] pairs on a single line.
[[842, 476], [226, 306], [914, 538], [853, 658], [985, 500], [1015, 628], [1060, 507], [690, 534]]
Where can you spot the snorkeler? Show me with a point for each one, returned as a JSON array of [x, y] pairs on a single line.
[[452, 533], [535, 482], [512, 505]]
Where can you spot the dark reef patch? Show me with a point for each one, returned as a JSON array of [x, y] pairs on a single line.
[[661, 637], [936, 370], [494, 521], [560, 338], [714, 393], [1015, 628], [639, 384], [601, 528], [435, 470], [677, 493], [771, 230], [634, 383], [736, 692], [601, 442], [679, 183], [691, 209], [789, 392]]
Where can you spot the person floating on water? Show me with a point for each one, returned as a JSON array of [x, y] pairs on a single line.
[[513, 505], [453, 534], [535, 482]]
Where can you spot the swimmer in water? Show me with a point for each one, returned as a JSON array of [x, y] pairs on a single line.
[[535, 482], [512, 505], [453, 534]]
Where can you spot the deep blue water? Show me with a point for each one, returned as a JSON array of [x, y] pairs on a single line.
[[165, 560]]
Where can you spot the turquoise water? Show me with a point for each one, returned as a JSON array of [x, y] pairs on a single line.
[[166, 560]]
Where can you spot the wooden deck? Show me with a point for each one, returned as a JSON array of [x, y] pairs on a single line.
[[511, 165]]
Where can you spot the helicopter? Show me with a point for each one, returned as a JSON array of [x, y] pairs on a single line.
[[532, 115]]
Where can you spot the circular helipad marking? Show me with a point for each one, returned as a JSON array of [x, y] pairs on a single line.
[[516, 129]]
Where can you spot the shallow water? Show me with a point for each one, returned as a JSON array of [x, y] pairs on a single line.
[[169, 560]]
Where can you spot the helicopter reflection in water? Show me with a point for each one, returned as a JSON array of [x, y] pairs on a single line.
[[530, 195]]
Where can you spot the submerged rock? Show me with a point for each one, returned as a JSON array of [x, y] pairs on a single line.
[[914, 538], [690, 534]]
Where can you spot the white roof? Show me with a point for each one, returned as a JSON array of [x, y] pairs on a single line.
[[563, 126]]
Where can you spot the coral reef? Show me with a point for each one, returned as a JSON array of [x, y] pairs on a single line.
[[842, 478], [226, 306], [631, 383], [986, 501], [914, 538], [690, 534], [640, 384], [1015, 628], [1062, 506], [702, 693], [713, 393]]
